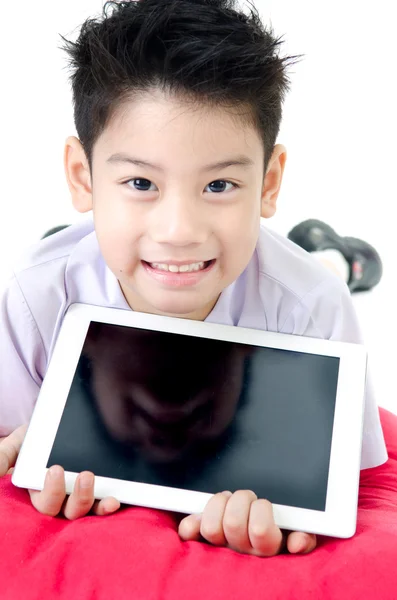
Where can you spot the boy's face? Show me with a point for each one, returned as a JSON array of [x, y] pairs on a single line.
[[174, 225]]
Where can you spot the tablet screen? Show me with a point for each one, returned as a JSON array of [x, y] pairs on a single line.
[[200, 414]]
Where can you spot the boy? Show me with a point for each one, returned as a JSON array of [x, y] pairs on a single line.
[[177, 108]]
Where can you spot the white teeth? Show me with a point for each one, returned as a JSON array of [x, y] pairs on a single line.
[[178, 269]]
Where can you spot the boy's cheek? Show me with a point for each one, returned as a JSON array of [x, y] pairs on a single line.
[[119, 248]]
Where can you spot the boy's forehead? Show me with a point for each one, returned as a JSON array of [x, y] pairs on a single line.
[[163, 126]]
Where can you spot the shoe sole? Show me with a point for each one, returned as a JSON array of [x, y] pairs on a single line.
[[313, 236]]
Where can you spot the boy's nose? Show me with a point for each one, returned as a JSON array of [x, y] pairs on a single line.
[[178, 221]]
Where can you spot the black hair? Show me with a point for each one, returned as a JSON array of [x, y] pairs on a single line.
[[206, 51]]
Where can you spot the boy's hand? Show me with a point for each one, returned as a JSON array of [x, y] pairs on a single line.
[[53, 500], [242, 522]]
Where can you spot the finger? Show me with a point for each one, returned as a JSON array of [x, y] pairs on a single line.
[[50, 500], [301, 543], [4, 462], [235, 520], [10, 447], [106, 506], [189, 528], [82, 498], [212, 519], [265, 537]]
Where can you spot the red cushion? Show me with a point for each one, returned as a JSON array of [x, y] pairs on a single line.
[[137, 554]]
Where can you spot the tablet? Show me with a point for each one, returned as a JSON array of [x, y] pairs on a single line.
[[166, 412]]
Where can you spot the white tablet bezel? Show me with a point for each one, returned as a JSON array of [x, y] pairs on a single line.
[[339, 517]]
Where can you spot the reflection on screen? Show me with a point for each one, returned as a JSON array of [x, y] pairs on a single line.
[[200, 414]]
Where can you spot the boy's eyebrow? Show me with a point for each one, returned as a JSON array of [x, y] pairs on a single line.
[[241, 161]]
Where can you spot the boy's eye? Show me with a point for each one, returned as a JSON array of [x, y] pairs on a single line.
[[219, 186], [142, 185]]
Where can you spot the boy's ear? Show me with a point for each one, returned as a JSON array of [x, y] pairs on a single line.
[[272, 181], [78, 175]]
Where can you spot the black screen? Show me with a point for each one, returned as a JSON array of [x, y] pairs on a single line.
[[200, 414]]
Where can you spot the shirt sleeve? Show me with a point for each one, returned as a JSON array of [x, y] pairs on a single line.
[[23, 360], [327, 312]]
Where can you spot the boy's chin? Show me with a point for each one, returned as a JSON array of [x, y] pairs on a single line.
[[183, 312], [181, 308], [169, 304]]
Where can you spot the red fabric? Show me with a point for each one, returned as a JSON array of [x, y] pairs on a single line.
[[137, 553]]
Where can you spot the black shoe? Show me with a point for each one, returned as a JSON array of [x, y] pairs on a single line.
[[364, 261], [54, 230]]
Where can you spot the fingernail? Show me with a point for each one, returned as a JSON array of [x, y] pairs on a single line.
[[55, 472], [303, 545], [86, 480], [109, 507], [227, 493]]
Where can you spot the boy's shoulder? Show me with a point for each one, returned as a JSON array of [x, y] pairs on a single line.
[[287, 290], [67, 267], [62, 269], [285, 263], [55, 249]]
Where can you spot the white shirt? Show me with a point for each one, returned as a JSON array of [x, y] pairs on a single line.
[[283, 288]]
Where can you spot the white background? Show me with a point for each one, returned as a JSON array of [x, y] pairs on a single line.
[[339, 128]]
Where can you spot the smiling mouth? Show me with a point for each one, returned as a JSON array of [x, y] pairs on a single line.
[[181, 268]]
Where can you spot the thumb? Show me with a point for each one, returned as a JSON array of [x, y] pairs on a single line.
[[189, 528], [9, 449], [3, 462]]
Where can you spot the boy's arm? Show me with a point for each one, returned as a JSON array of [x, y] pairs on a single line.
[[328, 312], [23, 365], [23, 360]]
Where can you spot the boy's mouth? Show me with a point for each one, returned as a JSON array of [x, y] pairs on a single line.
[[178, 274], [180, 268]]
